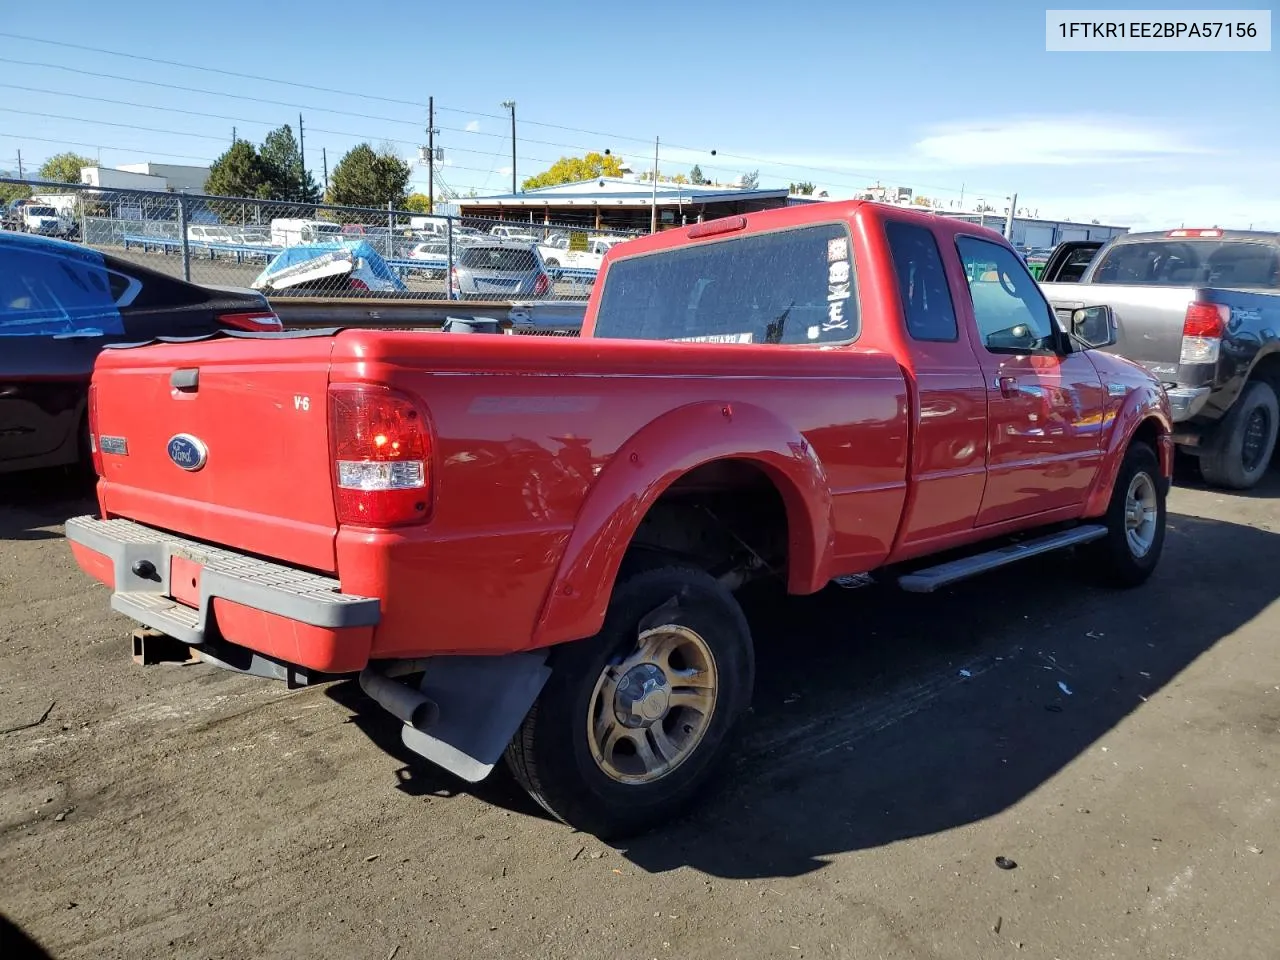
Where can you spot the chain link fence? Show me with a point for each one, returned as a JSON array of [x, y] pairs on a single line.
[[289, 249]]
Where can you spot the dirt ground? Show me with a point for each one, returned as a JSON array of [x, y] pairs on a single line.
[[1121, 748]]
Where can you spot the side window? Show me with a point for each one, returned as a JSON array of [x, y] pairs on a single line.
[[1011, 314], [922, 282], [43, 294]]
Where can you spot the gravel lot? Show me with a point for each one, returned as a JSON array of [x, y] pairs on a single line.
[[898, 745]]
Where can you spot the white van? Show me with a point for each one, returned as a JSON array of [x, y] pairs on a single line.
[[287, 232]]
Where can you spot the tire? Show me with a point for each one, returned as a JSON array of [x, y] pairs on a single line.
[[1117, 560], [1239, 450], [611, 792], [553, 263]]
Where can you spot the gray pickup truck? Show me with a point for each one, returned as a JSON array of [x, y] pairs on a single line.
[[1201, 310]]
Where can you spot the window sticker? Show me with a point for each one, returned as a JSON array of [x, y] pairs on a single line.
[[717, 338]]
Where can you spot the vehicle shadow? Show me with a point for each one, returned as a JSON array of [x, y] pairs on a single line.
[[34, 499], [1186, 473], [879, 716], [16, 944]]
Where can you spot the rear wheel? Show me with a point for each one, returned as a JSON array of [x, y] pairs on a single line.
[[1239, 450], [1135, 522], [632, 721]]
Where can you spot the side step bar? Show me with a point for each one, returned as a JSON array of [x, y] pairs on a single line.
[[931, 578]]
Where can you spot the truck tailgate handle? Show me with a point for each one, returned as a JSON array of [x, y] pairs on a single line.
[[187, 378], [1008, 386]]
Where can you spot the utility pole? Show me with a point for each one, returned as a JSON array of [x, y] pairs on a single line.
[[653, 212], [1008, 221], [233, 136], [511, 105], [302, 158], [431, 154], [20, 174], [324, 159]]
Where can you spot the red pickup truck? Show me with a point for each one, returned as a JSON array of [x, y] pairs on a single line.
[[530, 546]]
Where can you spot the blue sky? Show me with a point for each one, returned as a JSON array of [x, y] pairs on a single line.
[[944, 98]]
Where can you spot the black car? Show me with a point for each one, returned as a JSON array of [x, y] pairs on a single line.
[[60, 303]]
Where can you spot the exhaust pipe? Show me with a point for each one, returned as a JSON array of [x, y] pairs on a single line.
[[400, 700]]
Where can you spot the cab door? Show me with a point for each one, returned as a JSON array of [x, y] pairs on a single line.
[[1045, 403]]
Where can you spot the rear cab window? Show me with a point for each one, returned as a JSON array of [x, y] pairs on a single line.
[[44, 293], [498, 258], [1222, 263], [791, 286]]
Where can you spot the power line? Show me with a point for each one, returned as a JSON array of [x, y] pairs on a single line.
[[179, 156], [209, 93], [103, 146], [109, 123], [219, 137], [765, 162], [225, 73]]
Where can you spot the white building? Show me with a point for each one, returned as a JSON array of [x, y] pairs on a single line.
[[172, 177], [181, 178]]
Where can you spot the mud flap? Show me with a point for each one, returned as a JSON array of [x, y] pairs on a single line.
[[482, 702]]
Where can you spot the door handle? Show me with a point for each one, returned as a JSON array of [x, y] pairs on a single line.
[[1008, 386]]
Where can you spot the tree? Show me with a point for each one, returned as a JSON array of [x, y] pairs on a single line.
[[803, 189], [575, 169], [287, 179], [239, 172], [63, 168], [696, 177], [750, 180], [679, 178], [418, 203], [10, 192], [365, 178], [921, 200]]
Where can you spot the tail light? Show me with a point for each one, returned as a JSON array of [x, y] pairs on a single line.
[[1194, 233], [381, 456], [95, 450], [257, 320], [541, 285], [1202, 331], [358, 284], [454, 286]]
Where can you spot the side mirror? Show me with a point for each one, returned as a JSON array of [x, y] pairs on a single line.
[[1096, 326]]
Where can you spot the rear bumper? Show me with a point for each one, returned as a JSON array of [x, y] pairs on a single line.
[[1186, 402], [282, 612]]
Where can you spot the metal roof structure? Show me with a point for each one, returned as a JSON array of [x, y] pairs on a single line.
[[621, 192]]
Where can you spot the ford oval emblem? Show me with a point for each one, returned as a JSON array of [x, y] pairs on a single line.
[[187, 451]]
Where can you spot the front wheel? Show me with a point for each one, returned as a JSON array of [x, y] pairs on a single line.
[[630, 725], [1135, 522]]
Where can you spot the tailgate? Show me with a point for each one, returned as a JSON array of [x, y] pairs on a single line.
[[224, 440], [1148, 319]]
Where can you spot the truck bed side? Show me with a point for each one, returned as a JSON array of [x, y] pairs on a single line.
[[526, 432]]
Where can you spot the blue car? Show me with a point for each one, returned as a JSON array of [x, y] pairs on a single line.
[[60, 304]]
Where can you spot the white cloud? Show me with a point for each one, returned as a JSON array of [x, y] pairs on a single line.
[[1192, 205], [1061, 141], [472, 126]]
